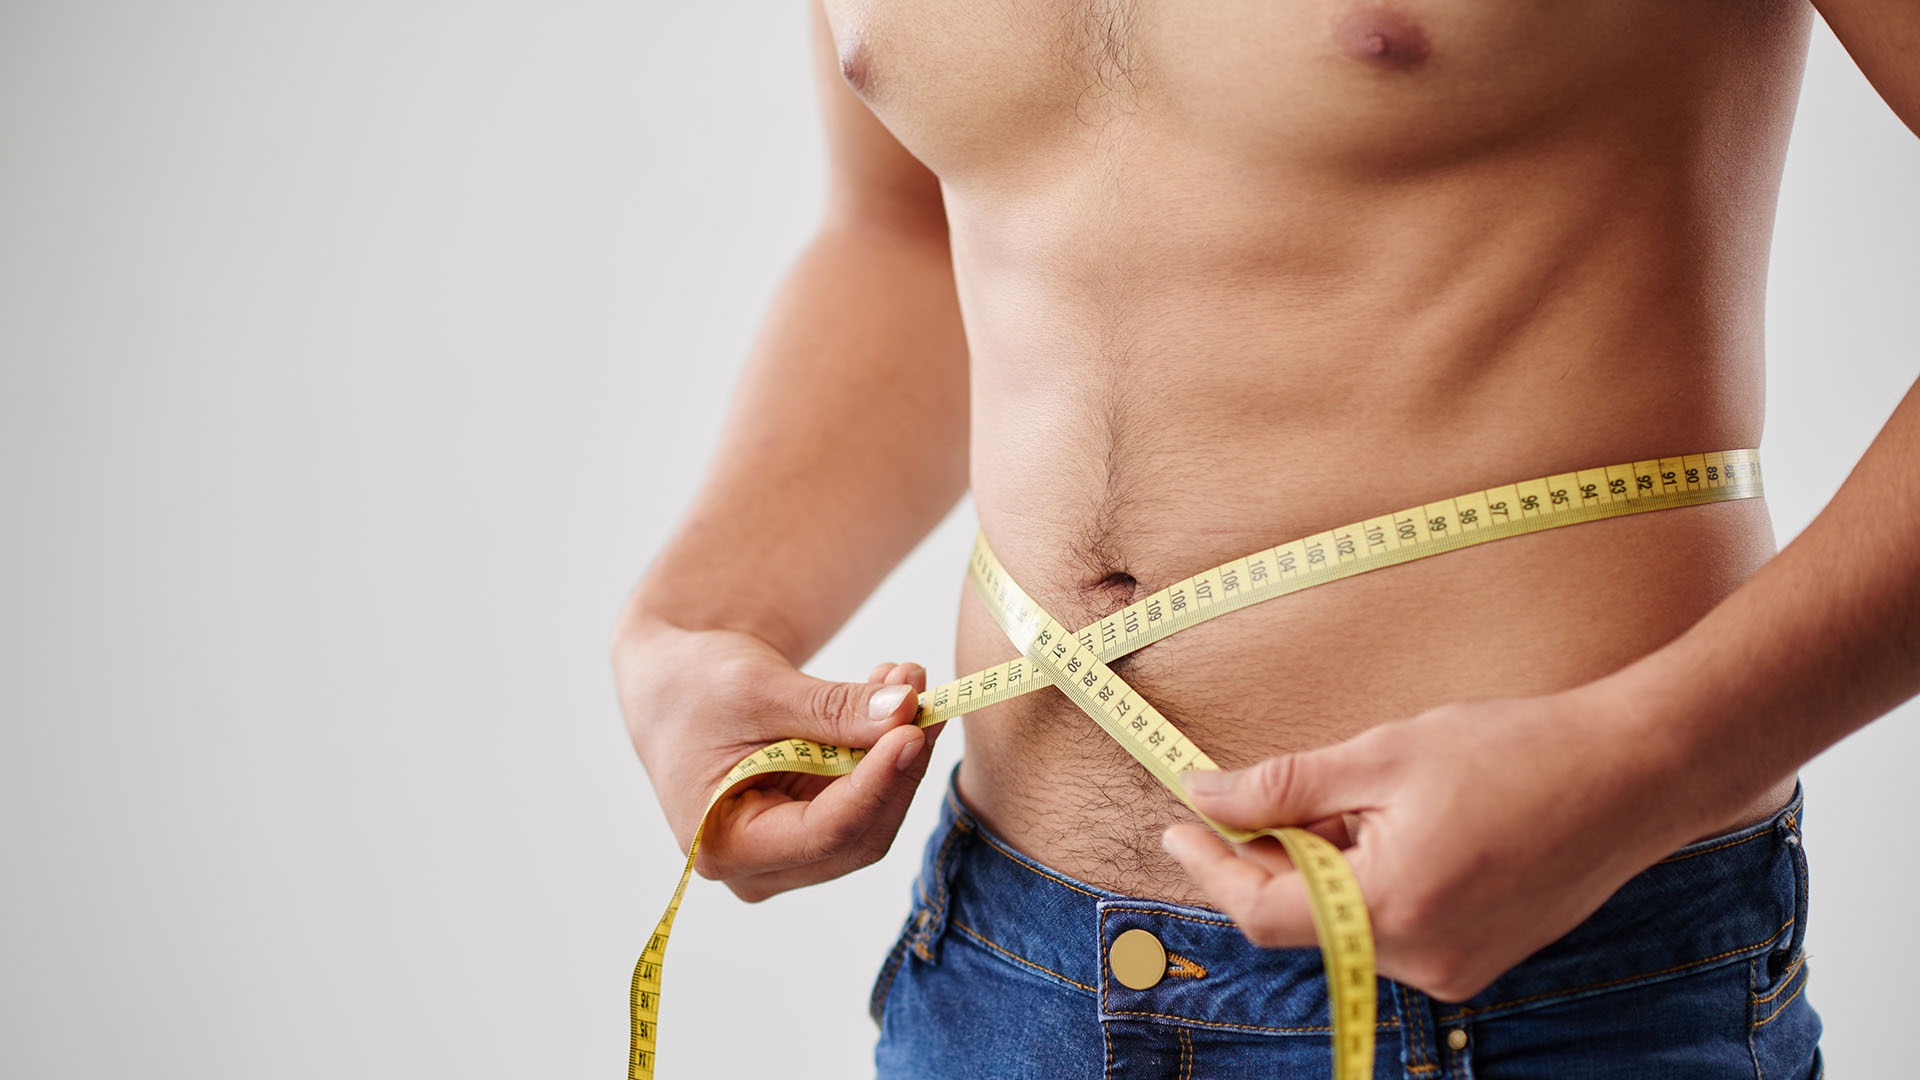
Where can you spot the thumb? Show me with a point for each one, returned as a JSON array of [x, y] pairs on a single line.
[[1289, 789], [843, 714]]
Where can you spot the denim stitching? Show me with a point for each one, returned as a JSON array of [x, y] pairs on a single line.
[[1796, 853], [1457, 1063], [1780, 1007], [1786, 977], [1314, 1030], [1775, 1014], [1106, 995], [1717, 847], [941, 859], [877, 1006], [1466, 1011], [1022, 864], [1186, 1054], [1788, 815], [1415, 1014], [1016, 957], [962, 822], [1158, 914], [1180, 967], [1788, 821]]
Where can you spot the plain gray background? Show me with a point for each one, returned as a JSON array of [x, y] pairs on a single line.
[[354, 359]]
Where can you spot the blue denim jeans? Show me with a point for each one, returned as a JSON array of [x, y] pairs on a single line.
[[1693, 970]]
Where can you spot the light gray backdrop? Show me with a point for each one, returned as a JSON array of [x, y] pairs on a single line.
[[354, 359]]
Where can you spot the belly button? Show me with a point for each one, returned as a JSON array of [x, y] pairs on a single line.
[[1111, 593]]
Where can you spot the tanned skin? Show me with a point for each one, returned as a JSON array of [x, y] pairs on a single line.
[[1164, 285]]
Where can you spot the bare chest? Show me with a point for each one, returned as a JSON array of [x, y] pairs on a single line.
[[969, 85]]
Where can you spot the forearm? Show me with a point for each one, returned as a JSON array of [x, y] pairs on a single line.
[[846, 443], [1825, 638]]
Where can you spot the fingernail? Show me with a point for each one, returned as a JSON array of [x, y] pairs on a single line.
[[912, 751], [1206, 782], [883, 702]]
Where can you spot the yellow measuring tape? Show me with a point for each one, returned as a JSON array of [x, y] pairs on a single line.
[[1075, 661]]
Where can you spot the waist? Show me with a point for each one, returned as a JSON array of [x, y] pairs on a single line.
[[1529, 615], [1735, 898]]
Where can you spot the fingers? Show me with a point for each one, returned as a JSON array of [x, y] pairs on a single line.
[[1290, 789], [889, 672], [1252, 885], [773, 836], [1256, 883], [860, 812], [840, 713], [834, 863], [766, 842]]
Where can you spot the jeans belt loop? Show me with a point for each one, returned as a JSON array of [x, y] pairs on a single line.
[[1796, 852], [930, 921]]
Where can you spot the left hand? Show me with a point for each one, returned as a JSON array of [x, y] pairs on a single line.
[[1479, 832]]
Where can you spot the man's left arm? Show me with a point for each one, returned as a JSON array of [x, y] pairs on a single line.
[[1485, 830]]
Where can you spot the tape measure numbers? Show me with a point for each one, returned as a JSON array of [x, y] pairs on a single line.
[[1075, 661]]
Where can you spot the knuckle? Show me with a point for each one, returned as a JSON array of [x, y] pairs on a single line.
[[1373, 747], [830, 702], [1382, 751], [750, 892], [708, 869], [1274, 778], [868, 853]]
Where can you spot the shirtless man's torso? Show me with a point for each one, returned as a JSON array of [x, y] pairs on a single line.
[[1263, 269], [1166, 284]]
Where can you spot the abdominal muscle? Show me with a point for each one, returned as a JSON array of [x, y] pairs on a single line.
[[1527, 615], [1177, 364], [1237, 273]]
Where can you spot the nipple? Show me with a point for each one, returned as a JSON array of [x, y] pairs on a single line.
[[1382, 38], [855, 65]]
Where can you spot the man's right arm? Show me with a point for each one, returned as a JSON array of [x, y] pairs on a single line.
[[846, 444]]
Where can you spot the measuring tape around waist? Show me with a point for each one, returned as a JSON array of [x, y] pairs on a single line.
[[1075, 661]]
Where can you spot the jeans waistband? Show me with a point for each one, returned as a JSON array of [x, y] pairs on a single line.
[[1724, 900]]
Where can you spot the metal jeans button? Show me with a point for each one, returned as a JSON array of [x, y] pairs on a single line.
[[1139, 960]]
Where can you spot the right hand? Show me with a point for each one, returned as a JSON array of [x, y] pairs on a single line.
[[698, 701]]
